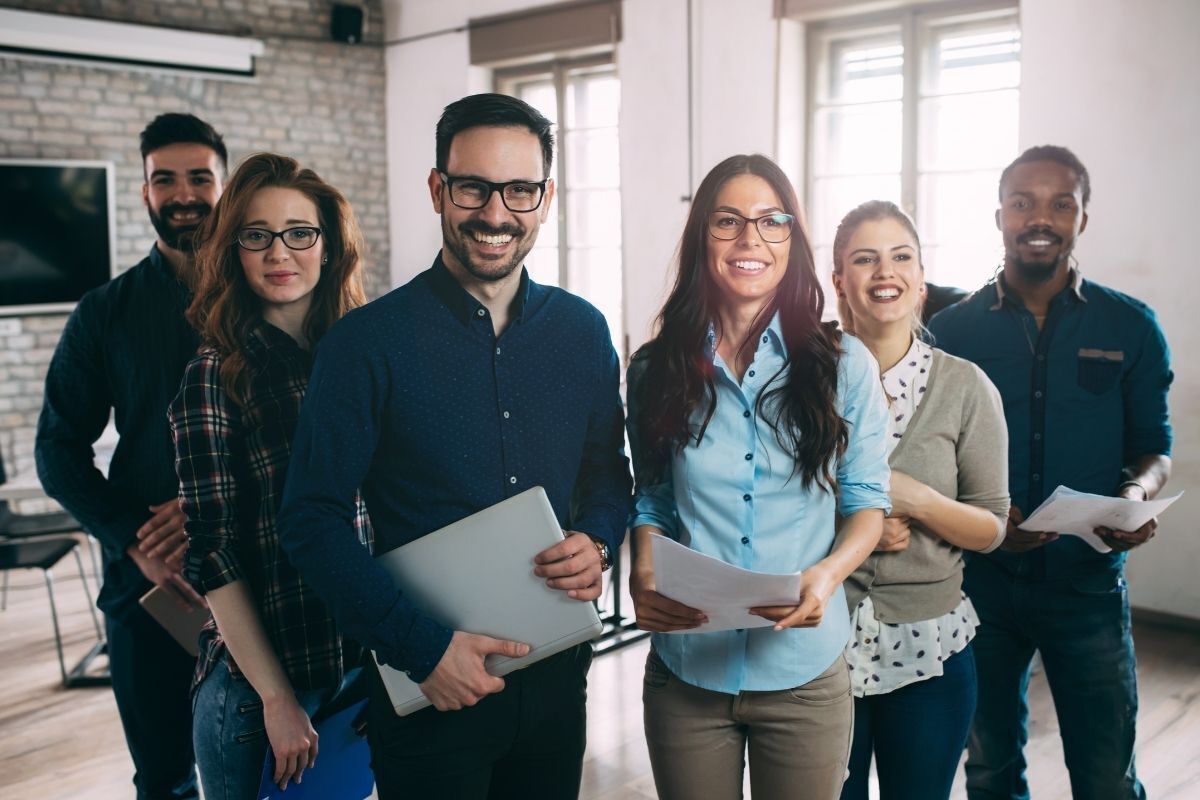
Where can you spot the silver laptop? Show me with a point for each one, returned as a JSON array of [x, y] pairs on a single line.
[[476, 575]]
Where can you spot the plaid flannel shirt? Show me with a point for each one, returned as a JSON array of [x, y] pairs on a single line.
[[232, 461]]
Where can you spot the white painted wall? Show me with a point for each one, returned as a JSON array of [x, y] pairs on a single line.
[[1116, 82], [1112, 79]]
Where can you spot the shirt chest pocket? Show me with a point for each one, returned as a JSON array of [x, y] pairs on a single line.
[[1099, 370]]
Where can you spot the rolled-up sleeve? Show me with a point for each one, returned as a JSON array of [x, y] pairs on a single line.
[[1145, 385], [204, 425], [654, 494], [862, 472]]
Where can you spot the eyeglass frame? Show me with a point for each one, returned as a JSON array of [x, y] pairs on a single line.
[[746, 220], [493, 188], [278, 235]]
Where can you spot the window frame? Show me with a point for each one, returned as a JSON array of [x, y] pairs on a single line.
[[915, 23]]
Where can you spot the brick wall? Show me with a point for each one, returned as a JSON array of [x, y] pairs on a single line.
[[313, 99]]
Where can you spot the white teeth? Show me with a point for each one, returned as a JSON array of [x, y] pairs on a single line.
[[885, 294], [750, 266], [495, 239], [1039, 242]]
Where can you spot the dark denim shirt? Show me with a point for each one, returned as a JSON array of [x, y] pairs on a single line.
[[1083, 397], [415, 399], [123, 351]]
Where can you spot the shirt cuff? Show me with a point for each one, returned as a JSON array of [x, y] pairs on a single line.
[[428, 643]]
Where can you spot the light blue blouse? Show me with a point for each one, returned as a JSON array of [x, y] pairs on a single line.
[[734, 497]]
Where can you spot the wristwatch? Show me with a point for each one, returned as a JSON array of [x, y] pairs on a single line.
[[605, 556]]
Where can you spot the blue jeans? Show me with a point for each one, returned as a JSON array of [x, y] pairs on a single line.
[[229, 735], [917, 734], [1081, 627]]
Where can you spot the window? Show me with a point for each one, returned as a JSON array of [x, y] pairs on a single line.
[[579, 247], [919, 108]]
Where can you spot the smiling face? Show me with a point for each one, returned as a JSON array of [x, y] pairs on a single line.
[[281, 277], [183, 183], [747, 270], [880, 274], [1041, 215], [490, 243]]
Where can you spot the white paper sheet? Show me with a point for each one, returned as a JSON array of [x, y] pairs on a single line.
[[722, 591], [1077, 513]]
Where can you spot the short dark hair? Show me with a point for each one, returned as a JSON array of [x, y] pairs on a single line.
[[1057, 154], [168, 129], [498, 110]]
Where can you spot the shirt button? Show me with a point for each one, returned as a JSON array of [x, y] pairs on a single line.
[[506, 415], [481, 313], [746, 414], [746, 497], [1037, 477], [764, 338], [1038, 394], [751, 373], [497, 351], [513, 479], [749, 456], [745, 540], [1041, 357], [1037, 437]]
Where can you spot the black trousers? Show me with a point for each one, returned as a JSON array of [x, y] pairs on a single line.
[[524, 742], [151, 678]]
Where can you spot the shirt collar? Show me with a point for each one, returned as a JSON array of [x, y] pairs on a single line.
[[773, 335], [910, 365], [461, 303], [1074, 283]]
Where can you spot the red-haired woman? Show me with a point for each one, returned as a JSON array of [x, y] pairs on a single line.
[[279, 265]]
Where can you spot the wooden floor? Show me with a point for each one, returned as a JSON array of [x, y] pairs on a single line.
[[68, 744]]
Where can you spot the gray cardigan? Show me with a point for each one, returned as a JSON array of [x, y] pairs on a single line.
[[956, 443]]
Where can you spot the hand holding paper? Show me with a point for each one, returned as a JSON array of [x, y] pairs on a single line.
[[724, 593], [1079, 514]]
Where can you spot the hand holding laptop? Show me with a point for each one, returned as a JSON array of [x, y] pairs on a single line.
[[572, 565], [460, 678]]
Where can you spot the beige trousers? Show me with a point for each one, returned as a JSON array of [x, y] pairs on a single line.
[[798, 739]]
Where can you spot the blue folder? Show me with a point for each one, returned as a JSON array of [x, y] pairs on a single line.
[[343, 770]]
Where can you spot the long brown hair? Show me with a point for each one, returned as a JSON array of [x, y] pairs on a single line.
[[225, 309], [678, 377]]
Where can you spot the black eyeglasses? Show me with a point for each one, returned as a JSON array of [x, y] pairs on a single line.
[[300, 238], [773, 228], [472, 193]]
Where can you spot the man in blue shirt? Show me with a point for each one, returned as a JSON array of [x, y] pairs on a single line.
[[1083, 371], [123, 352], [466, 386]]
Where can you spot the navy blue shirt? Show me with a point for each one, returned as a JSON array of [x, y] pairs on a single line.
[[415, 399], [1083, 397], [123, 351]]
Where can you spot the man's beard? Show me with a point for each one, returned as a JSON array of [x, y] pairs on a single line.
[[178, 238], [1039, 271], [455, 241]]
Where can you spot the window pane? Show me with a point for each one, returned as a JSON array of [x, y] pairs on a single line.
[[593, 100], [968, 131], [852, 140], [594, 218], [540, 95], [865, 70], [542, 263], [960, 243], [595, 274], [969, 60], [594, 159], [833, 197]]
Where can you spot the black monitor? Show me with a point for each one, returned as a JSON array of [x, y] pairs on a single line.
[[57, 233]]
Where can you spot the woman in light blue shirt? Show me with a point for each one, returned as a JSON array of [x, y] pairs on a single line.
[[754, 427]]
